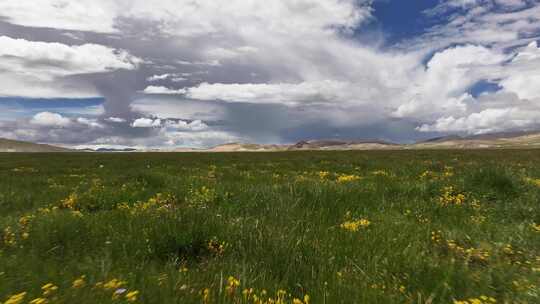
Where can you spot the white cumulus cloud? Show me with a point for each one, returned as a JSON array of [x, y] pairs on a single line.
[[189, 18], [48, 119], [281, 93], [146, 123], [36, 69], [56, 59], [180, 125], [163, 90]]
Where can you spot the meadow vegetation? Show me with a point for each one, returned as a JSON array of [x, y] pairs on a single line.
[[300, 227]]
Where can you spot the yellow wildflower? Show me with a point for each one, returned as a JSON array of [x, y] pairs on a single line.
[[16, 298], [355, 225], [534, 181], [122, 206], [449, 196], [25, 220], [9, 237], [70, 202], [79, 282], [38, 301], [206, 295], [480, 300], [216, 247], [113, 284], [448, 171], [247, 292], [132, 296], [232, 284], [507, 249], [323, 174], [478, 219], [427, 174], [49, 289], [347, 178]]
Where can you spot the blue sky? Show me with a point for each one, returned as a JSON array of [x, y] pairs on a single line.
[[400, 20], [20, 107], [280, 73]]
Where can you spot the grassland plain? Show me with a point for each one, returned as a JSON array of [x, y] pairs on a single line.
[[299, 227]]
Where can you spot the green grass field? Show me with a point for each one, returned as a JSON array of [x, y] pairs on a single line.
[[300, 227]]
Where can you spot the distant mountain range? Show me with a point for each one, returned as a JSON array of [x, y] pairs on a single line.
[[485, 141], [506, 140]]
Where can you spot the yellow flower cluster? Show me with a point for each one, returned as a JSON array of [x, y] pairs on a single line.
[[46, 210], [206, 295], [347, 178], [24, 221], [479, 300], [355, 225], [478, 219], [436, 237], [48, 289], [508, 250], [132, 296], [39, 301], [202, 196], [323, 174], [475, 204], [232, 285], [535, 227], [70, 202], [524, 285], [16, 298], [534, 181], [430, 175], [9, 237], [24, 225], [79, 282], [450, 196], [216, 247], [468, 253], [160, 202], [252, 296], [110, 285], [118, 288], [448, 171]]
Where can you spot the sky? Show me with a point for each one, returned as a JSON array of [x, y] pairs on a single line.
[[199, 73]]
